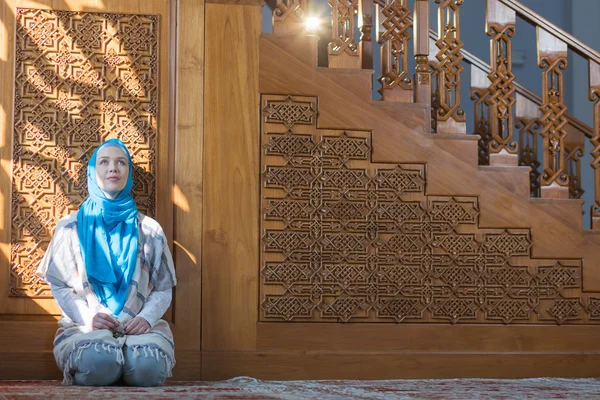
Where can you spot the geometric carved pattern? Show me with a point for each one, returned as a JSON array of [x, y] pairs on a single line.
[[449, 57], [573, 154], [343, 27], [348, 240], [553, 121], [394, 39], [289, 10], [482, 123], [501, 89], [528, 151], [80, 78]]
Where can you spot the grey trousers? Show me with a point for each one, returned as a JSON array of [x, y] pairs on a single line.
[[100, 366]]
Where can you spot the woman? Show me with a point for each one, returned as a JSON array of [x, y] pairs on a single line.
[[111, 272]]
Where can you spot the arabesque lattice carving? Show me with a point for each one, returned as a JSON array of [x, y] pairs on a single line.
[[482, 123], [501, 90], [449, 56], [345, 239], [394, 37], [573, 154], [528, 151], [343, 27], [553, 121], [80, 78]]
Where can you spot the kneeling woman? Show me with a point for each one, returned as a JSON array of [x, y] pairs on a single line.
[[111, 272]]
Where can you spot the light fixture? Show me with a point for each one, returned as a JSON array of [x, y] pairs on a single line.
[[311, 24]]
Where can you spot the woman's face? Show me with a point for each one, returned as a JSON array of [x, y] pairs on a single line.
[[112, 170]]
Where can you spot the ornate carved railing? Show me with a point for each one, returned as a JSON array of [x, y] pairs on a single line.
[[508, 130], [561, 154]]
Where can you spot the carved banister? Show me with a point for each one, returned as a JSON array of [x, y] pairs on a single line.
[[534, 19], [450, 117], [393, 26], [481, 126], [527, 116], [594, 94], [574, 149], [288, 16], [422, 83], [552, 57], [500, 25], [365, 26], [343, 49], [432, 61], [475, 62]]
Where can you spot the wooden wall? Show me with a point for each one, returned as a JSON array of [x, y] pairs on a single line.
[[211, 154]]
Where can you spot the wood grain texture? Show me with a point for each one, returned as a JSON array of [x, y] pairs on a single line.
[[230, 229], [498, 13], [397, 365], [188, 94], [188, 173], [238, 2], [419, 337]]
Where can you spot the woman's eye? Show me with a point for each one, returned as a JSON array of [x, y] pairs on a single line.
[[103, 162], [121, 162]]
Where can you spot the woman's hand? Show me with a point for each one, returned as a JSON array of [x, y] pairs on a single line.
[[136, 326], [104, 321]]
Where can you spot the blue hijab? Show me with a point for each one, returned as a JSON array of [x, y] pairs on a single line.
[[108, 232]]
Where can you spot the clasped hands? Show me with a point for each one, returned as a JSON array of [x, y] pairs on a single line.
[[135, 326]]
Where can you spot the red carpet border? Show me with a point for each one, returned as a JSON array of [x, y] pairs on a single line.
[[252, 389]]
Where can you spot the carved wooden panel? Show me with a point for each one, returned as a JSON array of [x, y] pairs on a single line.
[[552, 57], [500, 25], [343, 48], [481, 118], [288, 16], [573, 154], [528, 151], [80, 78], [345, 239], [394, 36], [449, 56]]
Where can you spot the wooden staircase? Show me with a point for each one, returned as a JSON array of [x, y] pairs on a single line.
[[531, 266]]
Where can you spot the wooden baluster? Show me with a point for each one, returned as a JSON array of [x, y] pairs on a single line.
[[552, 56], [365, 26], [422, 85], [288, 17], [500, 24], [594, 80], [574, 146], [432, 61], [393, 26], [528, 115], [479, 93], [343, 50], [450, 118]]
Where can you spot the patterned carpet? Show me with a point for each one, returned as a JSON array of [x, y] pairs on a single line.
[[251, 389]]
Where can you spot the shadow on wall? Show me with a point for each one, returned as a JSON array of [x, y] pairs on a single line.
[[61, 113]]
